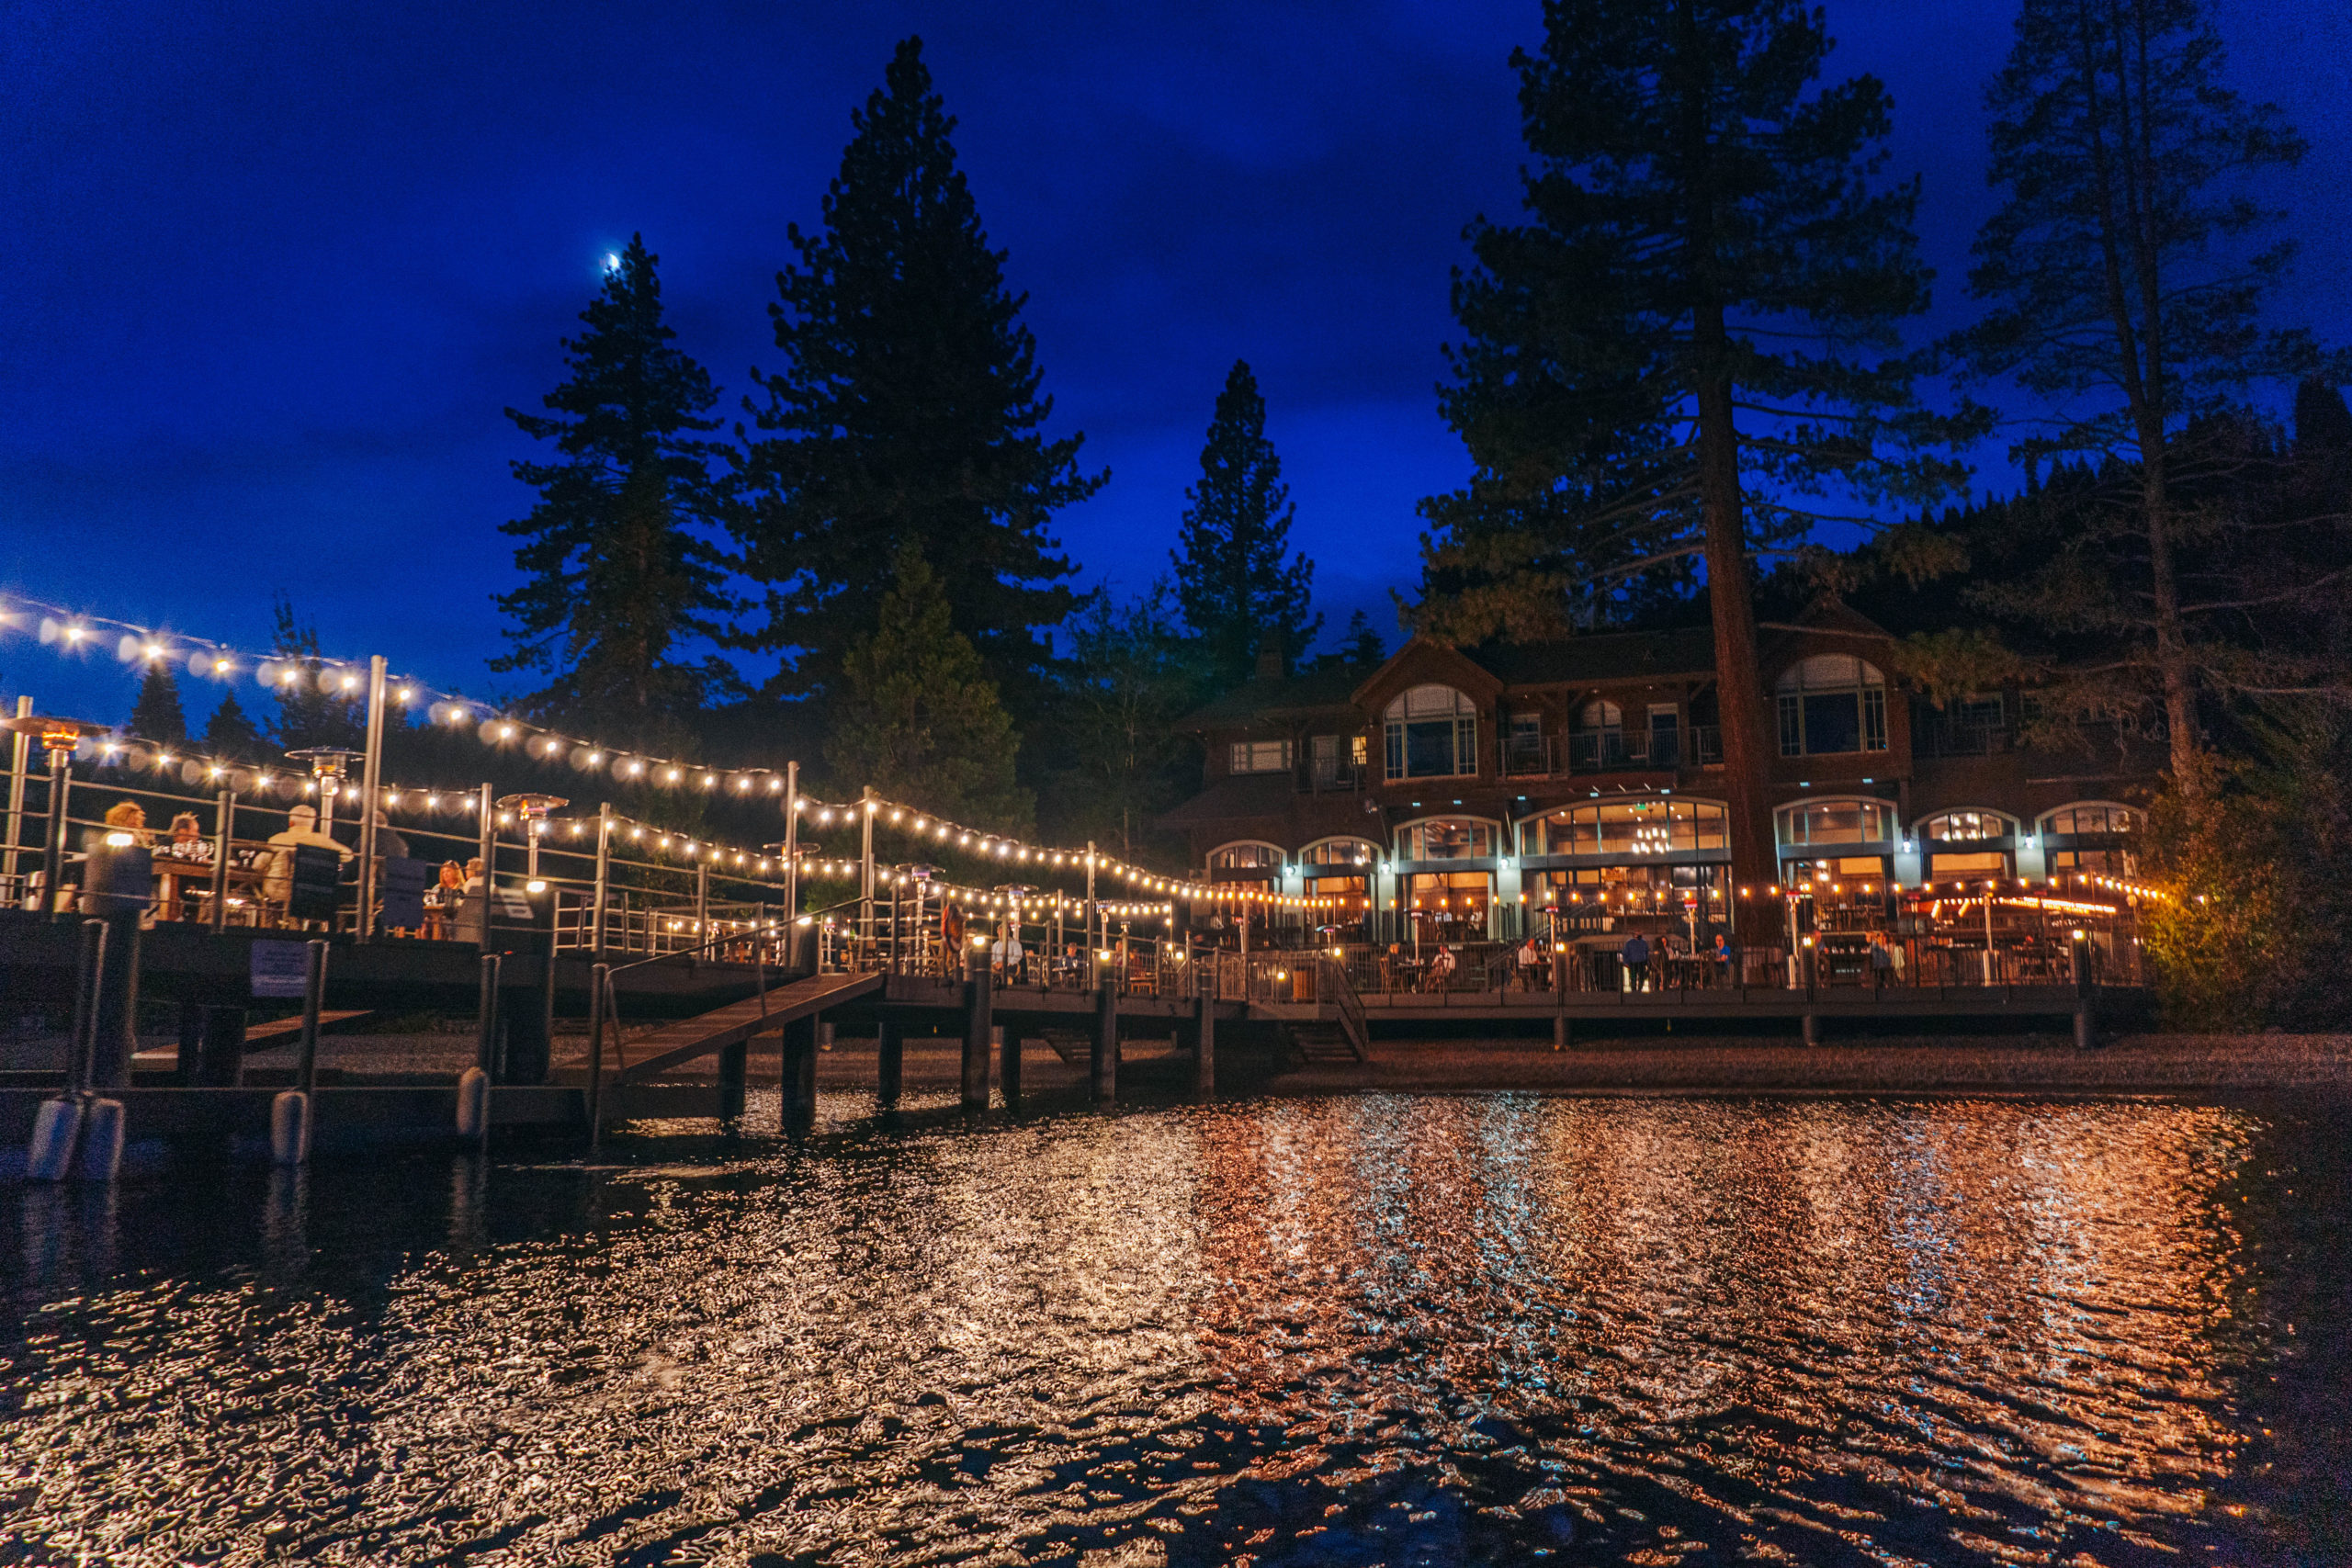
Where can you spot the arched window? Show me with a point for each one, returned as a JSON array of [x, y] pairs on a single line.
[[1339, 852], [1599, 715], [1246, 855], [1809, 822], [1965, 827], [1831, 702], [2101, 837], [1636, 828], [1432, 733], [1446, 838], [2092, 816]]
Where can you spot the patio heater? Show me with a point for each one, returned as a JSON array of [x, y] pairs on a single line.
[[531, 811], [330, 767], [58, 737]]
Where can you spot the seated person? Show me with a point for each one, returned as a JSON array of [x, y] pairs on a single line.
[[301, 828]]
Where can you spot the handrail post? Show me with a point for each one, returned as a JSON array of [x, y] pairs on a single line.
[[53, 853], [487, 850], [225, 836], [865, 870], [603, 875], [702, 906], [371, 786], [19, 760], [791, 852]]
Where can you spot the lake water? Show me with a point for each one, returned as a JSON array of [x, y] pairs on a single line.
[[1398, 1329]]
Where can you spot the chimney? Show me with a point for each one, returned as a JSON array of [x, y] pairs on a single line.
[[1271, 665]]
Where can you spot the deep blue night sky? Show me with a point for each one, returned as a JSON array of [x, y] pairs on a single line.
[[274, 269]]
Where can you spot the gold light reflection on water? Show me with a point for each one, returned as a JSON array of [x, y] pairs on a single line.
[[1377, 1328]]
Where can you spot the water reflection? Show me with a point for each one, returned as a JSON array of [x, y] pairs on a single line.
[[1376, 1329]]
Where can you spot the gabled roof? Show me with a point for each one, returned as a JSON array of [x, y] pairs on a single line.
[[1598, 658], [1310, 691], [1235, 797]]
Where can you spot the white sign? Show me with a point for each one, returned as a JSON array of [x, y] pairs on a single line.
[[279, 968]]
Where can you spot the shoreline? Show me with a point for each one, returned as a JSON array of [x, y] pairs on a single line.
[[1692, 1064]]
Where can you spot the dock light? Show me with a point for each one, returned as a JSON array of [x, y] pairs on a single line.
[[535, 885], [219, 667], [119, 840]]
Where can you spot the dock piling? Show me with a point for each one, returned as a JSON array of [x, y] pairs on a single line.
[[796, 1080], [1104, 1061], [1008, 1059], [890, 1046], [978, 1020], [1205, 1047], [599, 980]]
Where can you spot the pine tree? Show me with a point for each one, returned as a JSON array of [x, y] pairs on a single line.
[[2121, 285], [308, 715], [919, 720], [1688, 350], [1131, 675], [156, 715], [229, 733], [907, 412], [1362, 647], [1231, 578], [619, 569]]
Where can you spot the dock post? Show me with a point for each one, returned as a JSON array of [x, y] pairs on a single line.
[[1560, 1030], [797, 1068], [1205, 1047], [978, 1018], [1105, 1060], [734, 1076], [598, 978], [890, 1046], [2085, 996], [805, 1093], [1007, 1063], [290, 1115], [1812, 1027], [57, 1126], [473, 1084]]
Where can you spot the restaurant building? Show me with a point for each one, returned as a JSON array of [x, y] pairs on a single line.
[[1579, 785]]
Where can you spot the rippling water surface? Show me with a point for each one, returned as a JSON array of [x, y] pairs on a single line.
[[1379, 1329]]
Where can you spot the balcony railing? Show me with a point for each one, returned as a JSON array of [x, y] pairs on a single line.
[[1529, 756], [1941, 740], [1331, 775], [1609, 750]]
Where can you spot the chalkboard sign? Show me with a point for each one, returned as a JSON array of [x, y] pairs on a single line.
[[318, 876], [279, 968], [403, 883]]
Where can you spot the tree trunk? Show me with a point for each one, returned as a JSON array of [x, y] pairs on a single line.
[[1739, 683]]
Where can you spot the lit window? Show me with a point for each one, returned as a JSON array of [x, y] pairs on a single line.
[[1832, 703], [1446, 838], [1965, 827], [1245, 857], [1432, 732], [1836, 822], [1261, 757], [1640, 828]]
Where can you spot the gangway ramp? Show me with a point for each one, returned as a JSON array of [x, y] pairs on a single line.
[[737, 1021]]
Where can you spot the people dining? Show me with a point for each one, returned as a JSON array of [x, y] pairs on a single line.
[[125, 816], [301, 829], [444, 900], [473, 903]]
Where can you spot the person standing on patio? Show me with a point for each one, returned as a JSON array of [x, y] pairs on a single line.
[[1636, 956]]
